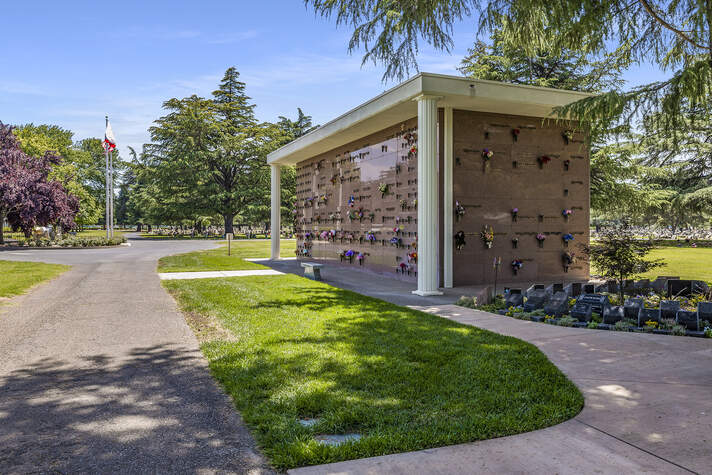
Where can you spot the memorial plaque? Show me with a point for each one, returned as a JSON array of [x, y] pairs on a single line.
[[534, 287], [685, 288], [687, 319], [536, 300], [632, 308], [589, 289], [573, 289], [597, 302], [659, 285], [613, 314], [669, 308], [557, 305], [514, 298], [704, 311], [581, 311], [643, 284], [648, 314], [612, 286]]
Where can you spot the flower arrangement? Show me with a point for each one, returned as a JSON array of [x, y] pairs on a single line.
[[413, 151], [333, 179], [397, 229], [487, 154], [371, 216], [413, 256], [566, 213], [323, 199], [351, 200], [566, 238], [371, 237], [352, 215], [404, 205], [403, 267], [410, 138], [349, 255], [460, 240], [324, 235], [515, 242], [567, 163], [487, 236], [543, 160], [568, 135], [515, 134], [516, 265], [515, 213], [540, 239], [359, 213], [307, 236], [308, 202], [383, 188], [567, 259], [459, 211], [359, 258], [396, 241], [415, 203]]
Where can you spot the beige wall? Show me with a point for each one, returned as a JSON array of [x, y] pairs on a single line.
[[490, 191]]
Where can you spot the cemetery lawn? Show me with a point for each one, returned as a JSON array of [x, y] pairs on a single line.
[[286, 348], [685, 262], [217, 259], [18, 277]]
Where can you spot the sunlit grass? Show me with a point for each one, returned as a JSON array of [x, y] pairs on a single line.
[[18, 277], [217, 259], [685, 262]]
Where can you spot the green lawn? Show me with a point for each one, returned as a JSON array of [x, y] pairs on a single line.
[[285, 347], [217, 259], [686, 262], [20, 276]]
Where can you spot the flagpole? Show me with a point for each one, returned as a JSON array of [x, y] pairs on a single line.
[[107, 214], [111, 191]]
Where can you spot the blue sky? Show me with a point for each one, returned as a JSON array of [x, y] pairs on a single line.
[[70, 63]]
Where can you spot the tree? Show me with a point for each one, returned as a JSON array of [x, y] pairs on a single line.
[[208, 156], [675, 36], [71, 171], [618, 255], [28, 196]]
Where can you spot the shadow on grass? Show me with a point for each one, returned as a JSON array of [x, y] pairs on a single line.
[[155, 410], [403, 379]]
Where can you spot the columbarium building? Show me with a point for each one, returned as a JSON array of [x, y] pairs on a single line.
[[444, 181]]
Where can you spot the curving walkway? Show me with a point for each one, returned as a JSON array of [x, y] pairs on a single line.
[[99, 373]]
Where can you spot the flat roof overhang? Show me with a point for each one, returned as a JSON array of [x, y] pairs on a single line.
[[397, 105]]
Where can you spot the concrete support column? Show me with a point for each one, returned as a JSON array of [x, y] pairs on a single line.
[[427, 196], [448, 211], [276, 201]]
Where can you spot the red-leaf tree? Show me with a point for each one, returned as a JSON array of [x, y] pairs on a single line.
[[28, 198]]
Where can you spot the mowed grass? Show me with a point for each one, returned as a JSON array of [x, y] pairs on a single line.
[[217, 259], [292, 348], [18, 277], [685, 262]]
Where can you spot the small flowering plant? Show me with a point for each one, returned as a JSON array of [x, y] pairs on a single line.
[[487, 236], [404, 205], [515, 134], [567, 259], [543, 160], [515, 242], [567, 164], [403, 267], [351, 200], [515, 213], [413, 151], [359, 258], [396, 241], [460, 240], [568, 135], [349, 255], [516, 265], [413, 256], [459, 211], [383, 188], [566, 238], [566, 213], [324, 235], [371, 237], [487, 154]]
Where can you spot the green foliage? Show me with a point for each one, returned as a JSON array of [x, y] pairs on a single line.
[[619, 255], [625, 325], [402, 379], [217, 259], [73, 241], [566, 321]]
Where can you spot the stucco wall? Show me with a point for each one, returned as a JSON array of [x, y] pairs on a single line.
[[490, 190]]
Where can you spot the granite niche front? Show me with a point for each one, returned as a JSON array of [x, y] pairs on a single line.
[[520, 194]]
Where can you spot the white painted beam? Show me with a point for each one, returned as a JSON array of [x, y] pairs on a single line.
[[448, 211], [276, 195]]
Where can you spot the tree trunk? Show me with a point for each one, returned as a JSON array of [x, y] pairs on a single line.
[[620, 292], [228, 222], [2, 225]]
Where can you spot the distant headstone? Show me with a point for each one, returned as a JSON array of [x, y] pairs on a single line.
[[514, 298], [659, 285], [536, 300], [643, 284], [581, 311], [687, 319], [597, 301], [686, 288], [647, 315], [612, 286], [629, 286], [573, 289], [704, 311], [669, 308], [632, 308], [557, 288], [557, 305], [613, 314], [533, 288], [589, 289]]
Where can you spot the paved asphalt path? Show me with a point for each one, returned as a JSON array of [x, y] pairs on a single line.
[[99, 373]]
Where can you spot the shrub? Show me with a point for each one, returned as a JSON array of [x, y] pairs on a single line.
[[469, 302], [708, 332], [678, 330], [625, 325], [566, 321], [596, 317], [593, 325], [667, 323]]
